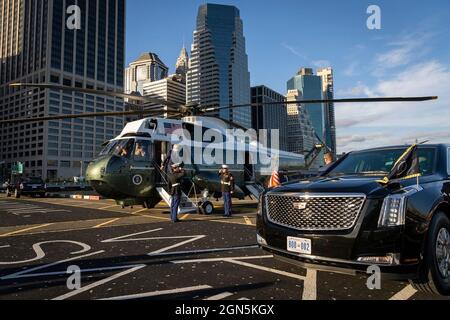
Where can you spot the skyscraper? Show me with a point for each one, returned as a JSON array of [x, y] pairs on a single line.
[[310, 88], [330, 119], [270, 116], [147, 68], [218, 73], [36, 46], [300, 131], [182, 65]]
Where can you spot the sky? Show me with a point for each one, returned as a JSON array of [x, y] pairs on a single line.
[[408, 56]]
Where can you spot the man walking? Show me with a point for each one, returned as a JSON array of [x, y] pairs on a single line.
[[227, 181], [175, 179]]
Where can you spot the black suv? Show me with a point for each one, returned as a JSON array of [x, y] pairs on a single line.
[[27, 186], [346, 221]]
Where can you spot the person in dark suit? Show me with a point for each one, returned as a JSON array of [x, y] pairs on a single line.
[[175, 179]]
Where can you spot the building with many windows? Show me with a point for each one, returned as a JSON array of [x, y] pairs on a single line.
[[270, 117], [36, 46], [300, 130], [218, 70], [172, 89], [147, 68], [330, 120]]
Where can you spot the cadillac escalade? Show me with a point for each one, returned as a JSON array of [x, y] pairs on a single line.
[[345, 220]]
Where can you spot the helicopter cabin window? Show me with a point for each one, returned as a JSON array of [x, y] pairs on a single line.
[[124, 148], [143, 150]]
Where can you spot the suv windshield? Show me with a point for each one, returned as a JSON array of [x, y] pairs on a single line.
[[380, 162], [34, 181]]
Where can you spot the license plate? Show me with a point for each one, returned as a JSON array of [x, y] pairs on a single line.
[[299, 245]]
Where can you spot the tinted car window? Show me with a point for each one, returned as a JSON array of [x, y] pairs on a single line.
[[382, 161]]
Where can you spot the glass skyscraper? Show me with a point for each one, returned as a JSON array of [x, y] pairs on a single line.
[[36, 46], [310, 88], [218, 74]]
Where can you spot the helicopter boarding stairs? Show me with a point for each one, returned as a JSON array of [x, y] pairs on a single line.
[[254, 188], [186, 203]]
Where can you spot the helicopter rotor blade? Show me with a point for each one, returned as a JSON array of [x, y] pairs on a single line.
[[83, 115], [350, 100], [96, 92]]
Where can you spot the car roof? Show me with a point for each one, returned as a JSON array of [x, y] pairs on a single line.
[[437, 145]]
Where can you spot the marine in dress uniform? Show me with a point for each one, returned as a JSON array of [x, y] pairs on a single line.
[[175, 179], [227, 182]]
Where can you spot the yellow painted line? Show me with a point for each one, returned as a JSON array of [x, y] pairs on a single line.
[[154, 217], [24, 230], [139, 211], [105, 223], [248, 221], [108, 207], [185, 216]]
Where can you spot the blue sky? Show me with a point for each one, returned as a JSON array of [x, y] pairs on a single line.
[[410, 55]]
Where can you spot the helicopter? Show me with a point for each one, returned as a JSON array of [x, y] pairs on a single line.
[[132, 168]]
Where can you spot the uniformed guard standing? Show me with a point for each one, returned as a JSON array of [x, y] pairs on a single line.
[[175, 179], [227, 181]]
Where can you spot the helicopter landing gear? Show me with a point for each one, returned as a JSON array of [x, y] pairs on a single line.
[[206, 208]]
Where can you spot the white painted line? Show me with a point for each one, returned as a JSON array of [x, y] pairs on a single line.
[[175, 253], [194, 238], [159, 293], [57, 273], [219, 296], [105, 223], [310, 285], [220, 259], [7, 246], [108, 207], [97, 283], [404, 294], [255, 266], [139, 211], [12, 276], [244, 299], [121, 238]]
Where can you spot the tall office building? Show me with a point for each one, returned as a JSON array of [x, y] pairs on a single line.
[[330, 119], [182, 65], [270, 117], [300, 130], [218, 73], [172, 89], [310, 88], [37, 46], [147, 68]]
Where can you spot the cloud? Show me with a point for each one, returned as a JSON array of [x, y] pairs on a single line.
[[403, 122], [403, 51], [293, 50]]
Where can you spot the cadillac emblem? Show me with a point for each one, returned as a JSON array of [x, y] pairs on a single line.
[[300, 205]]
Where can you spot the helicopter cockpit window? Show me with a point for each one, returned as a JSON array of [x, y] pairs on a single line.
[[124, 148], [143, 150], [109, 149]]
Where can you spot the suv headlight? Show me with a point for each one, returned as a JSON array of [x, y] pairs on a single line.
[[393, 211]]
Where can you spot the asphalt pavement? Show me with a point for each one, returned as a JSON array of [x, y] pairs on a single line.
[[137, 253]]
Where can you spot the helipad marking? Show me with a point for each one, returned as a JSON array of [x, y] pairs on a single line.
[[105, 223], [123, 238], [309, 285], [187, 252], [12, 276], [139, 211], [56, 273], [404, 294], [185, 216], [219, 296], [220, 259], [159, 293], [98, 283], [258, 267], [24, 230], [193, 238], [108, 207]]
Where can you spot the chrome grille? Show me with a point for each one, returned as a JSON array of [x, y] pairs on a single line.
[[314, 212]]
